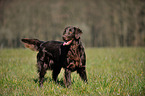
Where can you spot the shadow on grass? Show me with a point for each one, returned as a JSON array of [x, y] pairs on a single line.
[[60, 83], [48, 79], [37, 80]]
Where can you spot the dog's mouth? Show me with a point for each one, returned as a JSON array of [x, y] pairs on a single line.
[[67, 40], [67, 43]]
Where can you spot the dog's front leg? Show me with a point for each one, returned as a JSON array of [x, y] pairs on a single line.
[[82, 73], [67, 78]]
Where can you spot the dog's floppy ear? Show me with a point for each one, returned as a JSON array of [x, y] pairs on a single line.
[[78, 33]]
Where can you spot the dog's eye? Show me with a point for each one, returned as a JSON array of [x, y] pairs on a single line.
[[70, 32]]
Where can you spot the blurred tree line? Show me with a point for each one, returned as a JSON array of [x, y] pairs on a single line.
[[104, 23]]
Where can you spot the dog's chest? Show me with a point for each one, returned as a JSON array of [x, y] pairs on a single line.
[[73, 57]]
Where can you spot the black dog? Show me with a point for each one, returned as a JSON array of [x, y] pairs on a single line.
[[54, 55]]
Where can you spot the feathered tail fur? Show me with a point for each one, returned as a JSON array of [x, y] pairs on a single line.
[[33, 44]]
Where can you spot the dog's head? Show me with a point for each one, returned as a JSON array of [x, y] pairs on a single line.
[[71, 33]]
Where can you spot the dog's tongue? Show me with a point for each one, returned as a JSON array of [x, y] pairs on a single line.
[[67, 43]]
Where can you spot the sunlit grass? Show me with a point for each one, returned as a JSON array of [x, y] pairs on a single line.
[[111, 71]]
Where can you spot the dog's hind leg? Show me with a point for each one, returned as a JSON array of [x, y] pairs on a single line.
[[42, 72], [41, 77]]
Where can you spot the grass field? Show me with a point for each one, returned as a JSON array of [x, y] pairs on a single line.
[[111, 71]]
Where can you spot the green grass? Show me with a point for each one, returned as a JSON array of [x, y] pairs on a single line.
[[111, 71]]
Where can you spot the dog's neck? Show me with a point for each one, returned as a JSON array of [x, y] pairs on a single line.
[[74, 47], [76, 42]]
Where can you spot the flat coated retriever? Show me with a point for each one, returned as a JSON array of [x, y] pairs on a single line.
[[54, 55]]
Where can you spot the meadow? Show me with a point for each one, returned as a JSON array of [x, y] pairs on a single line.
[[110, 71]]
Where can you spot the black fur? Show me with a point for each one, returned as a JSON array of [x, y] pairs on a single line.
[[53, 55]]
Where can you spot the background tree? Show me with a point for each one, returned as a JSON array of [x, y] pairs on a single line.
[[104, 23]]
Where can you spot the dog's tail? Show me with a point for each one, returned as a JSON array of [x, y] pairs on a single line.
[[33, 44]]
